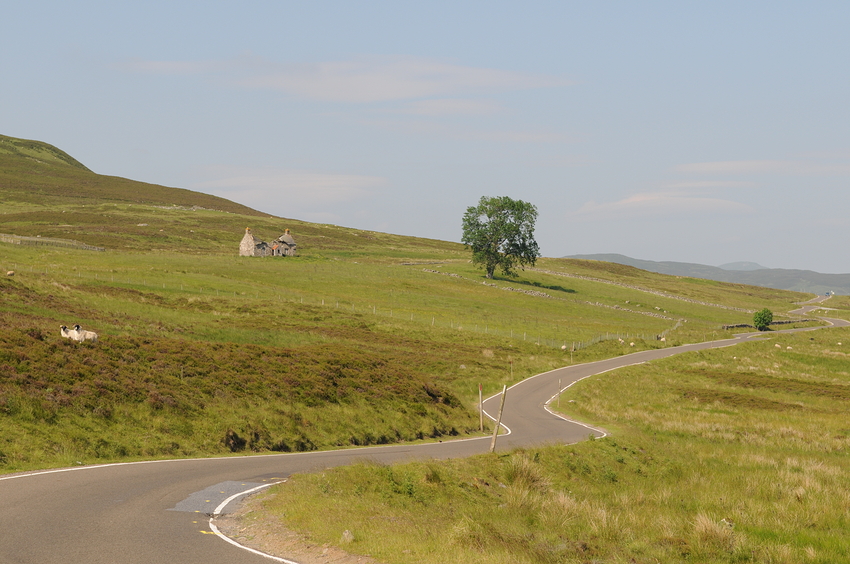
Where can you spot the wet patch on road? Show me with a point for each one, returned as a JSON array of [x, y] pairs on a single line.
[[207, 500]]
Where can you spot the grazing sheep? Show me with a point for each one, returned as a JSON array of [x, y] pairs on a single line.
[[82, 335], [65, 332]]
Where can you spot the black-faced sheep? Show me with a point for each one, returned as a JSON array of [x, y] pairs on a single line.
[[82, 335]]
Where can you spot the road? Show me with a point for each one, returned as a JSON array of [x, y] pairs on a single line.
[[156, 512]]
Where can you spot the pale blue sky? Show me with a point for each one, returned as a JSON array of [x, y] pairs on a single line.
[[701, 132]]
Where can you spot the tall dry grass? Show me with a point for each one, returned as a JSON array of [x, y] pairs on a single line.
[[724, 456]]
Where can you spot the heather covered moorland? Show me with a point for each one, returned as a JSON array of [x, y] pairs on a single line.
[[371, 338]]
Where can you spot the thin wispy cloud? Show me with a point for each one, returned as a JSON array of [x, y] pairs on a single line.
[[464, 132], [362, 80], [382, 79], [708, 185], [733, 167], [565, 161], [411, 95], [658, 204], [298, 188], [841, 154], [789, 167], [171, 67], [447, 107]]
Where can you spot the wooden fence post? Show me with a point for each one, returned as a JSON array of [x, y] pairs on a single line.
[[480, 408], [499, 418]]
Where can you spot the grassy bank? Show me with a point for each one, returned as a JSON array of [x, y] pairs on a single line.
[[730, 455]]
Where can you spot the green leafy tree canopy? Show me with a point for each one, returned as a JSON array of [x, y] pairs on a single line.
[[500, 232], [762, 319]]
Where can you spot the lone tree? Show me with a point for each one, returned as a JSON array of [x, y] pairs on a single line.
[[762, 319], [500, 232]]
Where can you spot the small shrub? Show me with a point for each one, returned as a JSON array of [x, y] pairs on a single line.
[[762, 319]]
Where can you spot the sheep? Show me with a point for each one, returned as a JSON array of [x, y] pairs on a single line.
[[82, 335], [65, 332]]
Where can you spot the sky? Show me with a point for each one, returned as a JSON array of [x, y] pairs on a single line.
[[705, 132]]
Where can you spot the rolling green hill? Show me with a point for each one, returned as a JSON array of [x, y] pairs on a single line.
[[23, 150], [38, 175], [202, 351], [370, 338]]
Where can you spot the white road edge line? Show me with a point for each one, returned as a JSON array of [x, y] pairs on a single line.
[[484, 411], [30, 474], [224, 537], [559, 416]]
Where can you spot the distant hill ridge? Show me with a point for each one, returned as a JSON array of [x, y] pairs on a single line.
[[739, 273], [742, 266]]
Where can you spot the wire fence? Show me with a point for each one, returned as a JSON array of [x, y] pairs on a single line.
[[46, 242], [543, 334]]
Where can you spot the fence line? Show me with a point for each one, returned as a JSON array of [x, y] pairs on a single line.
[[46, 242], [540, 337]]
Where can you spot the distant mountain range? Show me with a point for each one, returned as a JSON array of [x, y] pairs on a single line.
[[739, 273]]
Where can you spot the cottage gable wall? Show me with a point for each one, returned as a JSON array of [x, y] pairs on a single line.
[[247, 245]]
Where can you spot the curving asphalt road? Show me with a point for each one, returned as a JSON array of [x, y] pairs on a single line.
[[157, 512]]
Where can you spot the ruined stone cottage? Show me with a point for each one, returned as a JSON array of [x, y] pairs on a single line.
[[283, 246]]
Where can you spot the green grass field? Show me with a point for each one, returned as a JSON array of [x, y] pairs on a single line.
[[167, 318], [728, 455], [202, 352]]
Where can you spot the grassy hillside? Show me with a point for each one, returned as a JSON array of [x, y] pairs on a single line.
[[40, 184], [24, 150], [721, 456], [204, 352]]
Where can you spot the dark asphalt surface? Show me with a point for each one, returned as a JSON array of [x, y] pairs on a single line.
[[156, 512]]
